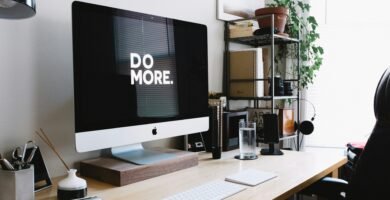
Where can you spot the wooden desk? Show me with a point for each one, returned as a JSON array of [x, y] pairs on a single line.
[[296, 170]]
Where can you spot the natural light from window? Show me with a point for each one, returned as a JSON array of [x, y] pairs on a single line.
[[356, 37]]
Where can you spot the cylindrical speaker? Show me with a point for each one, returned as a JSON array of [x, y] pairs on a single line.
[[271, 128]]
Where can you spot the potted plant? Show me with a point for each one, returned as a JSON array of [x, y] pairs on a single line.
[[280, 19], [301, 24]]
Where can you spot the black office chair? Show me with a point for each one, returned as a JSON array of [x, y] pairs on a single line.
[[371, 177]]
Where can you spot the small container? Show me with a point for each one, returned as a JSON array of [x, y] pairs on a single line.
[[279, 86], [72, 187], [288, 90], [18, 185], [247, 141]]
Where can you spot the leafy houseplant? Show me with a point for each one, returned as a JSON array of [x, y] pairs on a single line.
[[301, 24]]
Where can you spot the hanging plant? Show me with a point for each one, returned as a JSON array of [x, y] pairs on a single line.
[[300, 23]]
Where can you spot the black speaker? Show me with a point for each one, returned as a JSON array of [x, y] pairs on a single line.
[[216, 146], [271, 128], [306, 127], [212, 138], [271, 135]]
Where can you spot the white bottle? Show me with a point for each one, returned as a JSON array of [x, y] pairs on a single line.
[[71, 187]]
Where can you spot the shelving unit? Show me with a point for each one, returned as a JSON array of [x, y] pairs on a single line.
[[266, 40]]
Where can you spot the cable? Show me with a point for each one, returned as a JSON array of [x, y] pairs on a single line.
[[312, 105], [299, 145]]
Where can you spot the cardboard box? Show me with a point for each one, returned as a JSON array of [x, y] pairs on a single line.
[[246, 64], [236, 32], [243, 29]]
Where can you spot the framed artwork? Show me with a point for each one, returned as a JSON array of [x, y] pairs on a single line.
[[256, 115], [237, 9]]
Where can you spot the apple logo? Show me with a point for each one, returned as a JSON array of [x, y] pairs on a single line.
[[154, 131]]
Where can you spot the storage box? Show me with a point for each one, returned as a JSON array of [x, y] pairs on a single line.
[[236, 32], [17, 185], [246, 65], [243, 29]]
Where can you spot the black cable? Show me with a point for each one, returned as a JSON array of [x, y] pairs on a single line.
[[312, 105], [299, 145]]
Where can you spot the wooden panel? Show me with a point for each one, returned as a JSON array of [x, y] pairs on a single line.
[[335, 174], [119, 173]]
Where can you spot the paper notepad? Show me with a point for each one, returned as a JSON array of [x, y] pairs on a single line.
[[250, 177]]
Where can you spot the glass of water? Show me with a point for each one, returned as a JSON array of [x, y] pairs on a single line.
[[247, 140]]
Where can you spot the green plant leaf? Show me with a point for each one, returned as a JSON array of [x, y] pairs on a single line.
[[306, 29], [312, 20], [321, 50], [315, 49], [307, 7], [300, 4]]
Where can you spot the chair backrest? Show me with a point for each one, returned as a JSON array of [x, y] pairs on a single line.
[[382, 99], [371, 179]]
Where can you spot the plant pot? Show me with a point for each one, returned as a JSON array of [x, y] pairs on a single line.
[[280, 17]]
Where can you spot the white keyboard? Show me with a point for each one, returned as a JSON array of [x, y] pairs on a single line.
[[214, 190]]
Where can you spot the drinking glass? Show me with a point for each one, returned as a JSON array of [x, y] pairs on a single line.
[[247, 140]]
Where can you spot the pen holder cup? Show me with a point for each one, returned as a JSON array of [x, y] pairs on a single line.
[[18, 185]]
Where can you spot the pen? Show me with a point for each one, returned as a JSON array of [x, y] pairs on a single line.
[[25, 148], [17, 154], [31, 156], [5, 164]]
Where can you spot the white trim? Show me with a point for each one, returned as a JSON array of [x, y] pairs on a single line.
[[107, 138]]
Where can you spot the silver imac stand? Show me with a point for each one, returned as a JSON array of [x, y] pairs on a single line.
[[138, 155]]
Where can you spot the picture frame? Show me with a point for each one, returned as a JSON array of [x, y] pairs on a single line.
[[42, 178], [256, 115], [237, 9]]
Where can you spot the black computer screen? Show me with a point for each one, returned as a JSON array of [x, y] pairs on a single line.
[[132, 68]]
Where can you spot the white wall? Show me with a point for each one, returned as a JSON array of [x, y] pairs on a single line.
[[36, 71], [356, 43]]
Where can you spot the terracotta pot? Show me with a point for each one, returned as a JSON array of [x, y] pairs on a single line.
[[280, 19]]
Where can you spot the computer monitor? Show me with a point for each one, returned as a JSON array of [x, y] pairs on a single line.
[[137, 78]]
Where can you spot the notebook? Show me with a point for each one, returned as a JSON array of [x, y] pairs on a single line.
[[251, 177]]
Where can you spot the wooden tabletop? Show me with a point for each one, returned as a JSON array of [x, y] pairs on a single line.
[[295, 170]]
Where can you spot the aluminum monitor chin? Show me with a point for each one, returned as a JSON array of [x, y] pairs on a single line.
[[137, 77]]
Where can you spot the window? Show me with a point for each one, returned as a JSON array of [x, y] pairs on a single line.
[[355, 36]]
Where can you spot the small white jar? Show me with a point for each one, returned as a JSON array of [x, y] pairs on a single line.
[[71, 187]]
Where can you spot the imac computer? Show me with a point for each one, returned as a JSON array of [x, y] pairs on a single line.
[[137, 78]]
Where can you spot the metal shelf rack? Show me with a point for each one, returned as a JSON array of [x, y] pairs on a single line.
[[260, 41]]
